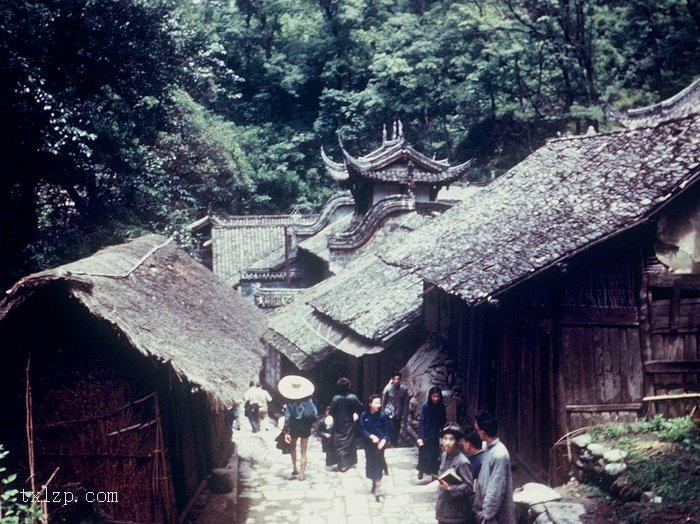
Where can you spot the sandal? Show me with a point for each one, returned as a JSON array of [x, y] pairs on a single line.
[[295, 473]]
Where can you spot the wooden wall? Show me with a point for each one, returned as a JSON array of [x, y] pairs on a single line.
[[555, 354], [672, 355]]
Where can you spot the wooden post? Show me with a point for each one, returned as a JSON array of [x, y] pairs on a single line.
[[644, 327]]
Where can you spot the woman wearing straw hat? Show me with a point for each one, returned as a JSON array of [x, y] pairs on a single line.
[[299, 415]]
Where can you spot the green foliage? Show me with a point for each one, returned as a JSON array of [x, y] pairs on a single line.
[[13, 509], [663, 457], [124, 117], [667, 430]]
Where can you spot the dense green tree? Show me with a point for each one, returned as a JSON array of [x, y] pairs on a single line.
[[124, 116]]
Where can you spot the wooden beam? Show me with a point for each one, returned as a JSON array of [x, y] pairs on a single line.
[[592, 316], [672, 280], [601, 408], [672, 366], [679, 396]]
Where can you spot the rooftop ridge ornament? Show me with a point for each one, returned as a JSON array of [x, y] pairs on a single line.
[[389, 164]]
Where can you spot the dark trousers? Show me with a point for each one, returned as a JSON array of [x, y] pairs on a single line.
[[394, 430]]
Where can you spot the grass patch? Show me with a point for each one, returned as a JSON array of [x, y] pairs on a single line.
[[664, 457]]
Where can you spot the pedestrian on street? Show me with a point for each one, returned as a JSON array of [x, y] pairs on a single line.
[[395, 403], [299, 415], [493, 500], [232, 417], [453, 504], [472, 445], [262, 397], [250, 406], [345, 409], [432, 419], [375, 428]]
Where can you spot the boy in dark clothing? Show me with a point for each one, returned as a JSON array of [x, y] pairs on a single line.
[[454, 501]]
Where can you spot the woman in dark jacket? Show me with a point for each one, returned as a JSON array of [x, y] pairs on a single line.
[[374, 427], [345, 409], [432, 420]]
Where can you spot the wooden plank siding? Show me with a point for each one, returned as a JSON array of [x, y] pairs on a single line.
[[601, 374], [576, 347], [553, 355], [673, 365]]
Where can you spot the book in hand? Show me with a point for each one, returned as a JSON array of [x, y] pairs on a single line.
[[450, 476]]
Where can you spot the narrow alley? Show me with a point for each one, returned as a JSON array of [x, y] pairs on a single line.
[[268, 494]]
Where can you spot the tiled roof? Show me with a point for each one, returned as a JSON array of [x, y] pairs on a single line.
[[564, 197], [354, 310], [684, 103], [318, 244], [394, 161], [238, 242]]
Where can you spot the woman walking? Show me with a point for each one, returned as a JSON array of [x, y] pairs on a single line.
[[374, 427], [299, 415], [345, 409], [432, 420]]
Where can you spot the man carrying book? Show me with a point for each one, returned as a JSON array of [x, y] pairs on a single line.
[[454, 499]]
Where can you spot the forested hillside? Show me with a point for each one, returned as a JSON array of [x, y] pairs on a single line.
[[119, 117]]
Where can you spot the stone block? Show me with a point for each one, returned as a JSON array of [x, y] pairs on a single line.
[[533, 493], [597, 450], [615, 469], [582, 441], [561, 513]]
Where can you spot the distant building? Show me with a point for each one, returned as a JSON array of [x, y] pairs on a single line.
[[316, 263]]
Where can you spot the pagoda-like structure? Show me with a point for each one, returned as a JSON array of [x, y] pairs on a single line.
[[395, 168], [271, 258]]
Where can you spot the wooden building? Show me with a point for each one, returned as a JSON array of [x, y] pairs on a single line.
[[116, 373], [568, 290]]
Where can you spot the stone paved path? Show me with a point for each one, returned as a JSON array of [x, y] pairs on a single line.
[[268, 494]]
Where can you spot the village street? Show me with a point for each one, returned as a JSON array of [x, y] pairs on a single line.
[[268, 495]]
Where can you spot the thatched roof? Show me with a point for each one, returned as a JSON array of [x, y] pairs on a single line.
[[168, 307], [563, 198]]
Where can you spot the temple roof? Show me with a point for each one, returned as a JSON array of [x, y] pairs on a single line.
[[239, 242], [395, 161], [682, 104], [565, 197]]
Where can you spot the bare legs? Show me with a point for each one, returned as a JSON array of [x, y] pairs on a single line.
[[302, 466], [302, 463], [293, 454]]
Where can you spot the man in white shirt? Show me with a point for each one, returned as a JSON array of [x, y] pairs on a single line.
[[262, 397], [251, 406]]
